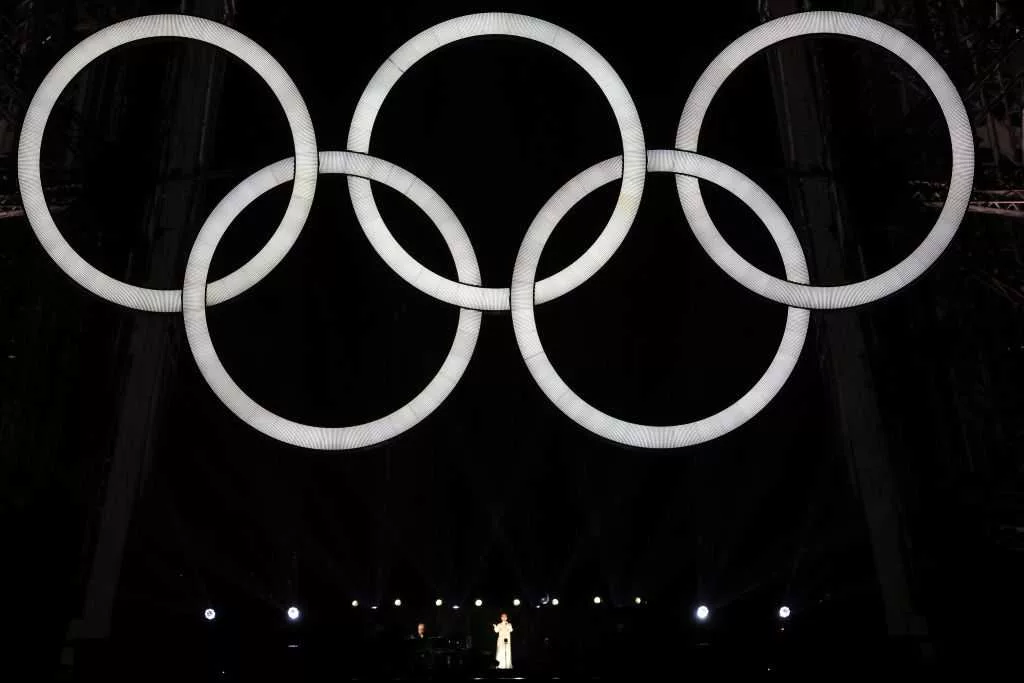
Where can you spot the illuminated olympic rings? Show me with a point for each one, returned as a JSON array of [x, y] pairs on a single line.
[[468, 293]]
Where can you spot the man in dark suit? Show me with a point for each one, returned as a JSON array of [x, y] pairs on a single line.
[[422, 655]]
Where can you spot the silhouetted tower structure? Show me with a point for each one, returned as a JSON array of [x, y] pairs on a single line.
[[142, 349], [925, 396]]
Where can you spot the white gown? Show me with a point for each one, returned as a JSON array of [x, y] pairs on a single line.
[[504, 651]]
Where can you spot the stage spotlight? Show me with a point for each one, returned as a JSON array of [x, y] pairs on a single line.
[[637, 600], [597, 599], [210, 614], [294, 613], [438, 602], [784, 612], [554, 601], [398, 603], [703, 612], [516, 603], [355, 603], [478, 602]]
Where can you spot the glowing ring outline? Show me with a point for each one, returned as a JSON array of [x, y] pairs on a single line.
[[165, 26], [255, 415], [628, 433], [586, 57], [961, 135]]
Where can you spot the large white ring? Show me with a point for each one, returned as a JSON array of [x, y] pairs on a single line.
[[255, 415], [961, 138], [500, 24], [165, 26], [612, 428]]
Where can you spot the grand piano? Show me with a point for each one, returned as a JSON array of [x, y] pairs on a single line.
[[447, 654]]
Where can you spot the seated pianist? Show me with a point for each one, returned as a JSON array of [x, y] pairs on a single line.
[[432, 653], [423, 657]]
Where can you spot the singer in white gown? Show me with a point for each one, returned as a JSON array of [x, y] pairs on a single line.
[[504, 652]]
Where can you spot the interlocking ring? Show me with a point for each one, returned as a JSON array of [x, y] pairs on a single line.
[[468, 293], [961, 137], [634, 157], [165, 26], [307, 436], [612, 428]]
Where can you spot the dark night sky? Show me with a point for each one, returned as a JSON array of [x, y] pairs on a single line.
[[497, 493]]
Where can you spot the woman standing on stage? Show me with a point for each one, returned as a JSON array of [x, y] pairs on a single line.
[[504, 651]]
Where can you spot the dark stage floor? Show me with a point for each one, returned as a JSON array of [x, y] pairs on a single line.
[[256, 661]]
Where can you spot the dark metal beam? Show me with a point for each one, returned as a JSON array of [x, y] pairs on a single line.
[[191, 93], [817, 206]]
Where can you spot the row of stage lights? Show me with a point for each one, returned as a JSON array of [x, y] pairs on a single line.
[[702, 612], [516, 602]]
